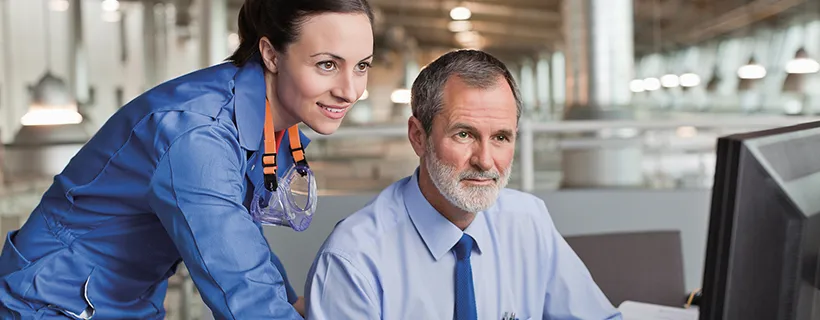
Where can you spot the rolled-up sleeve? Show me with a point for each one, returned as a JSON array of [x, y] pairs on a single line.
[[336, 289], [196, 192]]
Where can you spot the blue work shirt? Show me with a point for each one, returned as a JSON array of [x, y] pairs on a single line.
[[168, 178], [393, 260]]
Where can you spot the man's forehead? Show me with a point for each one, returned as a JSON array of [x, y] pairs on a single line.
[[496, 100]]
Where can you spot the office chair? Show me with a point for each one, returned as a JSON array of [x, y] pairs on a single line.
[[640, 266]]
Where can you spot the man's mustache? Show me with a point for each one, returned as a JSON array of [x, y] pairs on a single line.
[[480, 175]]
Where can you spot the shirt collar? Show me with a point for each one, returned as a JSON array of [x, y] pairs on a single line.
[[438, 233], [249, 103], [249, 106]]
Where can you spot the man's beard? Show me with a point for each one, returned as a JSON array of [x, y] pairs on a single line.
[[468, 198]]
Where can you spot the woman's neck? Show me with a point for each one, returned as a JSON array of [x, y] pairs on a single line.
[[282, 119]]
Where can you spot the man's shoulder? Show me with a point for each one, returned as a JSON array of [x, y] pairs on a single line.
[[378, 219], [519, 202], [516, 211]]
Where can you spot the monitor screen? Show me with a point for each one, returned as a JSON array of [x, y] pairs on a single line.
[[764, 229]]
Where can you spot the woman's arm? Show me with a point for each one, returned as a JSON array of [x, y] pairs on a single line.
[[196, 193]]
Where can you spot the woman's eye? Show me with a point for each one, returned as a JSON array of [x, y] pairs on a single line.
[[362, 67], [327, 65]]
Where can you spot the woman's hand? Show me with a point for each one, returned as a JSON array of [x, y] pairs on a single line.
[[299, 305]]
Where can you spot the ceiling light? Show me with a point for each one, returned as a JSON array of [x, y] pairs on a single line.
[[460, 26], [58, 5], [793, 106], [670, 81], [111, 16], [636, 86], [110, 5], [802, 64], [51, 104], [651, 84], [460, 13], [686, 132], [400, 96], [467, 37], [233, 40], [752, 70], [688, 80]]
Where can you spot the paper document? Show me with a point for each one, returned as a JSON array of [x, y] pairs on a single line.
[[632, 310]]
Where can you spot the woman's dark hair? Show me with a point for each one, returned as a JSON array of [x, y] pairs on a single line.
[[279, 21]]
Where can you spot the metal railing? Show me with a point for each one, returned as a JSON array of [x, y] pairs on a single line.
[[601, 133]]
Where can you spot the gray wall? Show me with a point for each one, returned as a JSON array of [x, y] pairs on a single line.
[[575, 212]]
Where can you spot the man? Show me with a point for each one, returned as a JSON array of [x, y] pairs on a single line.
[[449, 242]]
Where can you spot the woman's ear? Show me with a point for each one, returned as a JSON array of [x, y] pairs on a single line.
[[269, 54], [417, 136]]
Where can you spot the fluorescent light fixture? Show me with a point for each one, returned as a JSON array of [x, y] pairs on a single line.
[[651, 84], [636, 86], [233, 40], [751, 70], [51, 115], [670, 81], [686, 131], [792, 107], [110, 5], [460, 13], [467, 37], [400, 96], [111, 16], [58, 5], [802, 66], [460, 26], [688, 80]]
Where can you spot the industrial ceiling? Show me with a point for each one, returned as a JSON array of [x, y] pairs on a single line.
[[527, 27]]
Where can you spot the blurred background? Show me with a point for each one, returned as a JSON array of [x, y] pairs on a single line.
[[623, 99]]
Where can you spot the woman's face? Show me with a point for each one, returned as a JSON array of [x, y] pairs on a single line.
[[324, 72]]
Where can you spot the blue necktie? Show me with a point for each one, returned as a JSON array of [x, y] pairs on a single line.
[[465, 296]]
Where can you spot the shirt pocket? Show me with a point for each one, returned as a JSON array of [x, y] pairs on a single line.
[[12, 260], [78, 312]]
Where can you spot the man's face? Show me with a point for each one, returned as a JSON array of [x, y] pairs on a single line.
[[470, 149]]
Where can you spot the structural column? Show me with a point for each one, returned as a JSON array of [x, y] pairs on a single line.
[[598, 51], [78, 55], [149, 43], [527, 85], [543, 85], [213, 32]]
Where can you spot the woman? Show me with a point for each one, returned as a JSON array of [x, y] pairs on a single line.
[[172, 175]]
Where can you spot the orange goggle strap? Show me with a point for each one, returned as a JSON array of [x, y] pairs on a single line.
[[269, 155]]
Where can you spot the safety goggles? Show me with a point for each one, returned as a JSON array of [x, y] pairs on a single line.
[[290, 201]]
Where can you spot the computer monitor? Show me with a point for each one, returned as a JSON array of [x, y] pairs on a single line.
[[764, 230]]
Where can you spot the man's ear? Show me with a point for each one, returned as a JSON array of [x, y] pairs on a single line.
[[269, 54], [417, 136]]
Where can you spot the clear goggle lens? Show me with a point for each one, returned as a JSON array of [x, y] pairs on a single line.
[[292, 205]]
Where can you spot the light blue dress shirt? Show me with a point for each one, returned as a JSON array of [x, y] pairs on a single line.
[[393, 260], [167, 179]]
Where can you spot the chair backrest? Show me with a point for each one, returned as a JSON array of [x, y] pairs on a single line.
[[640, 266]]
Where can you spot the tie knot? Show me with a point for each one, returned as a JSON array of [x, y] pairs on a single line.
[[464, 247]]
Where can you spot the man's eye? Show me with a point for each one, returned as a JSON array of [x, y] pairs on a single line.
[[462, 135]]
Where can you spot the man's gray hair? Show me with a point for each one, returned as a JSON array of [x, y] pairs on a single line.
[[476, 68]]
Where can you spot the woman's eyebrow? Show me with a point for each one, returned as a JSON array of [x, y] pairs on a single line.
[[334, 56]]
